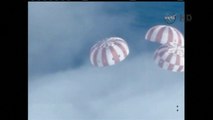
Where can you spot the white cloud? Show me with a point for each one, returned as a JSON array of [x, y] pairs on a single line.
[[133, 89]]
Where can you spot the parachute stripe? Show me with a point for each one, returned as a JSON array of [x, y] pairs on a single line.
[[161, 51], [99, 57], [122, 48], [165, 35], [171, 66], [95, 57], [154, 33], [178, 60], [179, 37], [119, 52], [182, 61], [108, 52], [180, 69], [176, 67], [170, 35], [109, 57], [91, 56], [104, 58], [150, 34], [173, 60], [114, 54], [169, 58]]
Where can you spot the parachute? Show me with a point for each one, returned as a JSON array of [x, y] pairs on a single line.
[[108, 52], [170, 57], [165, 34]]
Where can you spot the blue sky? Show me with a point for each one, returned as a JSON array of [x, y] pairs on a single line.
[[64, 85]]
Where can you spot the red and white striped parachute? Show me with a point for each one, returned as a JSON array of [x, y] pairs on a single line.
[[108, 52], [164, 34], [170, 58]]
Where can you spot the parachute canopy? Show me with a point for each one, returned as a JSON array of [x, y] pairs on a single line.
[[165, 34], [108, 52], [170, 58]]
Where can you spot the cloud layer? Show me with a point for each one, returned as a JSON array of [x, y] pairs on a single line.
[[134, 89]]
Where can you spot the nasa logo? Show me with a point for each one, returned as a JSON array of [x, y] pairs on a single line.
[[170, 19]]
